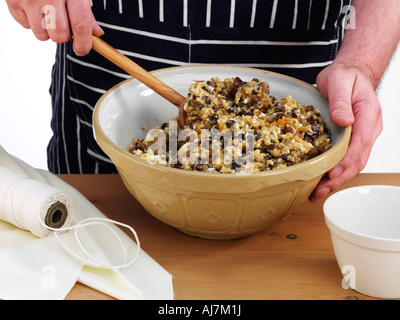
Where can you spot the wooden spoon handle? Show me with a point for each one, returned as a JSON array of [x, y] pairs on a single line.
[[138, 72]]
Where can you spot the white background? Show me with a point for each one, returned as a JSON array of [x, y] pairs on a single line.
[[25, 110]]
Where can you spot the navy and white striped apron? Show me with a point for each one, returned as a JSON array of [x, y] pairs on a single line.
[[294, 37]]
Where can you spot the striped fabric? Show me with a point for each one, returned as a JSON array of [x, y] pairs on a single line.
[[294, 37]]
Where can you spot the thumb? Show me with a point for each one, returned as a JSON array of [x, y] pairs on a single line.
[[337, 85]]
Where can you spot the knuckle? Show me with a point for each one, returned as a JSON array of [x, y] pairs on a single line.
[[82, 28], [13, 4], [42, 36], [81, 50], [363, 164], [60, 37]]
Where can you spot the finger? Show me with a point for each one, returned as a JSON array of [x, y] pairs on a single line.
[[353, 162], [35, 18], [56, 22], [20, 17], [17, 13], [340, 84], [97, 30], [328, 185], [340, 98], [365, 131], [366, 127], [80, 16]]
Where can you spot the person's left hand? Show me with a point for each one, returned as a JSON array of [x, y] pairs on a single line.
[[352, 101]]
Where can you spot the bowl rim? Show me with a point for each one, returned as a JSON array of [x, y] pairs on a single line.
[[99, 132], [355, 237]]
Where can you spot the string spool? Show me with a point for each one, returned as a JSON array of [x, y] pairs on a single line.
[[44, 210], [25, 202], [56, 215]]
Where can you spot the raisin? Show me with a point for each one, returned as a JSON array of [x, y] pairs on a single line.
[[315, 128], [289, 158], [309, 108], [256, 89], [266, 148], [233, 109], [268, 157], [207, 100], [310, 119], [235, 165], [309, 138], [253, 102], [237, 83], [326, 129], [279, 107], [195, 119], [287, 129], [138, 145], [212, 83], [230, 123], [176, 165]]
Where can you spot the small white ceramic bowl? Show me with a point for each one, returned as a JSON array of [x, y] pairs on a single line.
[[365, 229]]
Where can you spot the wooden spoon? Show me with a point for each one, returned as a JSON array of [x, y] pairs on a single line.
[[142, 75]]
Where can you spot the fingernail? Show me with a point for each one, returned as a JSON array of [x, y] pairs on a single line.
[[322, 193], [335, 172], [342, 114]]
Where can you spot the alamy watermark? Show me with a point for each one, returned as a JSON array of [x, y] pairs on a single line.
[[49, 277], [349, 277], [211, 146], [350, 17], [49, 17]]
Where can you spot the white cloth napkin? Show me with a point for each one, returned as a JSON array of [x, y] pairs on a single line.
[[39, 268]]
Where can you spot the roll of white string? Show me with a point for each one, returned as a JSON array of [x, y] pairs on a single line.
[[44, 210], [25, 202]]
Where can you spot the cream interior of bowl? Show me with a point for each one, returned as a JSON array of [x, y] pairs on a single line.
[[132, 108]]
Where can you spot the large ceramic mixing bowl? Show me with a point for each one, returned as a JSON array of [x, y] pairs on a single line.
[[213, 206]]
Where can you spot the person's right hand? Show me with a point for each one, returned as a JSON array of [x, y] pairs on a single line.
[[71, 19]]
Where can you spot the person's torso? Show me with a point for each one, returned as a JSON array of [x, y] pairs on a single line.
[[294, 37]]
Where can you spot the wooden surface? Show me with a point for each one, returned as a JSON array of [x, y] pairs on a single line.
[[293, 260]]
